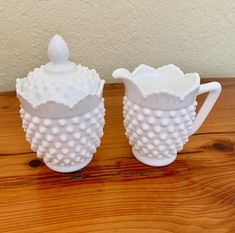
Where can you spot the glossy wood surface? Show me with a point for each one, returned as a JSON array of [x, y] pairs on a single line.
[[116, 193]]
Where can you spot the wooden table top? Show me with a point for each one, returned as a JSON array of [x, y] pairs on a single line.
[[115, 192]]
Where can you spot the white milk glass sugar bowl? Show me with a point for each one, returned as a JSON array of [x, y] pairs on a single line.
[[159, 110], [62, 110]]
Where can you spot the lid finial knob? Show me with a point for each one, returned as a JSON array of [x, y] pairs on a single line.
[[58, 50]]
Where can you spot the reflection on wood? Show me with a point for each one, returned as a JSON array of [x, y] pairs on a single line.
[[116, 193]]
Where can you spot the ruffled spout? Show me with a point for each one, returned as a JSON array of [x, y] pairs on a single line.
[[166, 87]]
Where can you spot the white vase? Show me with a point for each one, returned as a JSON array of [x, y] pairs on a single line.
[[62, 110], [159, 110]]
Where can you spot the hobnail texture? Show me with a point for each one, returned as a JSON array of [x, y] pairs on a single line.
[[62, 110], [159, 110], [157, 135], [44, 88], [65, 144]]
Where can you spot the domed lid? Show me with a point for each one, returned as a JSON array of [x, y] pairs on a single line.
[[60, 80]]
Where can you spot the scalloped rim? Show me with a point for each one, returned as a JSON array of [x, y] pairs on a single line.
[[35, 106], [171, 93], [141, 69]]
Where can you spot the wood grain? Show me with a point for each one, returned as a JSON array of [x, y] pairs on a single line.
[[116, 193]]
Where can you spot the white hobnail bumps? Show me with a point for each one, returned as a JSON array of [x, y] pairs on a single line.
[[159, 110], [62, 110], [65, 144], [157, 135]]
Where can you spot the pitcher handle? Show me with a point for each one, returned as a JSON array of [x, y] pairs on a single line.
[[214, 89]]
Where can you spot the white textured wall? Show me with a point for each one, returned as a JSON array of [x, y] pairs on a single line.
[[106, 34]]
